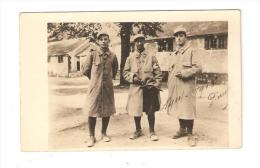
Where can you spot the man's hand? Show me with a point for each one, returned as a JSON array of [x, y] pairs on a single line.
[[179, 75], [137, 81]]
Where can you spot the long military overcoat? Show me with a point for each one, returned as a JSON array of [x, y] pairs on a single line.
[[146, 67], [181, 101], [100, 67]]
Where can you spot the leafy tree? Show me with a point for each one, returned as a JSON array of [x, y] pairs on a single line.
[[57, 31]]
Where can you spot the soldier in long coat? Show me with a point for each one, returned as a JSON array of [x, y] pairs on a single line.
[[143, 73], [184, 65], [100, 67]]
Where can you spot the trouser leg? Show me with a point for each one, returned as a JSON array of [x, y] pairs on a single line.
[[92, 125], [105, 121], [151, 121], [137, 123]]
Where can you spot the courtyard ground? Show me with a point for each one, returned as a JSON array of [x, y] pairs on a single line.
[[68, 122]]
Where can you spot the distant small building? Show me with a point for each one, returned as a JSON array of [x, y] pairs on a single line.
[[65, 57]]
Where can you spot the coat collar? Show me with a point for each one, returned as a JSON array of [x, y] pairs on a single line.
[[143, 54], [101, 53], [182, 49]]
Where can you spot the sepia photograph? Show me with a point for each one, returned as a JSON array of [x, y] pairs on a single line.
[[136, 83]]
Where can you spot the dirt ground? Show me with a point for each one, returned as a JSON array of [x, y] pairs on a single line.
[[68, 127]]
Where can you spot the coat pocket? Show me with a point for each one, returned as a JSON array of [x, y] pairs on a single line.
[[171, 68], [187, 64], [97, 60], [97, 63], [147, 74], [148, 70]]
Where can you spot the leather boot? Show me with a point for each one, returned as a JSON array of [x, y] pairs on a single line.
[[192, 140], [91, 141], [105, 138], [181, 133]]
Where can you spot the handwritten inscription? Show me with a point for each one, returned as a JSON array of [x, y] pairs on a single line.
[[202, 91], [217, 95]]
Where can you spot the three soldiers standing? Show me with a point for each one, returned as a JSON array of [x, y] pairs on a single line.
[[143, 73]]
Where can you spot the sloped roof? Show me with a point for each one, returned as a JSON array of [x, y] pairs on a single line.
[[193, 29], [196, 28], [82, 48], [71, 47]]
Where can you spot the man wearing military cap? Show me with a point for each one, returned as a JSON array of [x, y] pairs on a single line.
[[100, 67], [180, 30], [143, 73], [184, 66]]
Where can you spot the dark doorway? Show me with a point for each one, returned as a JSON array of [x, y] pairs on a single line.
[[78, 66], [69, 65]]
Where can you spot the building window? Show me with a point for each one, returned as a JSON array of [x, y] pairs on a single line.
[[60, 59], [216, 42], [165, 45], [222, 43]]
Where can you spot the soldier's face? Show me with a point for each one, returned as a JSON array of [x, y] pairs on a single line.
[[180, 39], [103, 41], [139, 43]]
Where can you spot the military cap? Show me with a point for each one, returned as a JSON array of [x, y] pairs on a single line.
[[102, 33], [138, 36], [180, 29]]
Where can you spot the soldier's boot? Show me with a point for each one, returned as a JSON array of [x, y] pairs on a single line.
[[192, 140], [153, 136], [105, 138], [136, 134], [181, 133], [91, 141]]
